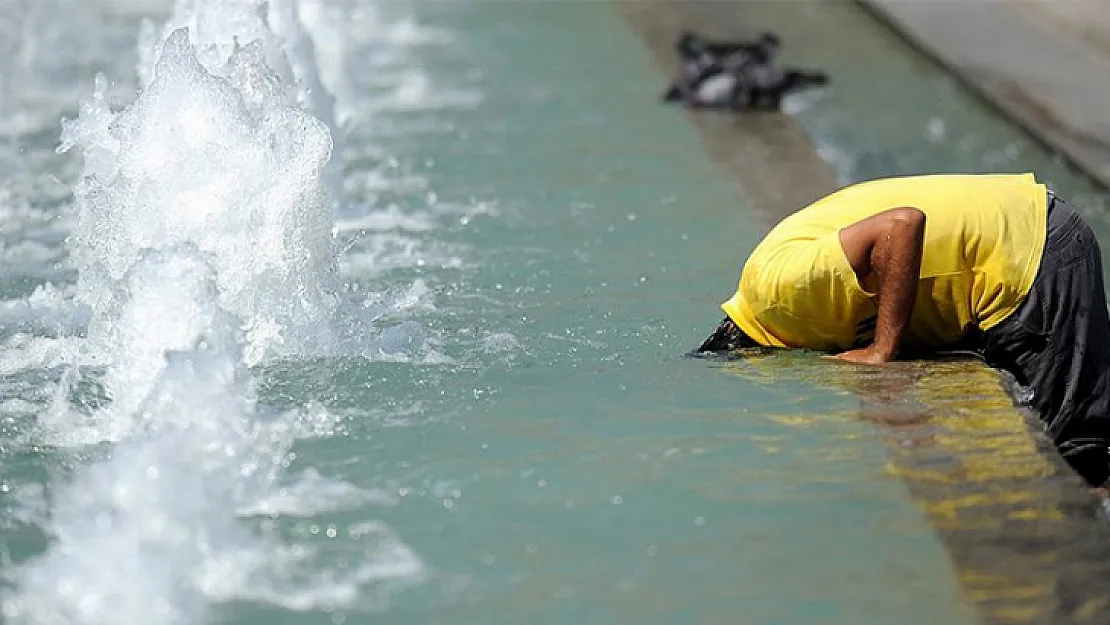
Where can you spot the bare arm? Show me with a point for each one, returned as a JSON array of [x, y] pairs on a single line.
[[885, 250]]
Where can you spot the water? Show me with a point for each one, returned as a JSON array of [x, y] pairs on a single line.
[[423, 316]]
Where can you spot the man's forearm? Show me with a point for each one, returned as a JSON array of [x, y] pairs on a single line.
[[885, 250], [896, 261]]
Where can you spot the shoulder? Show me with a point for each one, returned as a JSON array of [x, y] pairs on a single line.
[[783, 267]]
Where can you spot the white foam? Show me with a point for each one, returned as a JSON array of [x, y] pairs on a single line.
[[203, 245], [217, 27], [378, 253], [227, 165], [150, 536], [291, 577], [501, 343], [26, 352], [48, 310], [391, 218], [328, 26], [312, 494]]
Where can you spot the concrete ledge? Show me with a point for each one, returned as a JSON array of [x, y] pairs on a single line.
[[1048, 74]]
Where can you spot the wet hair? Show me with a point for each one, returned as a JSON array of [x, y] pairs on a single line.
[[727, 337]]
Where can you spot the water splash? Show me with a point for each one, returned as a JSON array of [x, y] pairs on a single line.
[[151, 535], [327, 25], [203, 244], [217, 28], [226, 164]]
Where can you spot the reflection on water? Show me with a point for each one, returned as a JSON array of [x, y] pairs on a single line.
[[1028, 542]]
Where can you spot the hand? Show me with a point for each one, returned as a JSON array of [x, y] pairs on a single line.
[[864, 356]]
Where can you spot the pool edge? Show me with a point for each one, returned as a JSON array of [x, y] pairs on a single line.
[[1053, 109]]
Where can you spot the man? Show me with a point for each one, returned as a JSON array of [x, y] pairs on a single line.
[[919, 264]]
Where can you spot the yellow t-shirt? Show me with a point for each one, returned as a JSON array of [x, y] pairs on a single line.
[[984, 236]]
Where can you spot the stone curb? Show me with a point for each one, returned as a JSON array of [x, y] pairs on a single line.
[[1053, 85]]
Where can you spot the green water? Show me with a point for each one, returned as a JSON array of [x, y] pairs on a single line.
[[570, 465], [601, 476]]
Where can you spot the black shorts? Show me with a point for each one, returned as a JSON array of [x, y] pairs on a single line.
[[1057, 344]]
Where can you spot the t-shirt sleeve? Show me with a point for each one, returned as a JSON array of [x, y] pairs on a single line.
[[814, 295], [812, 279]]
